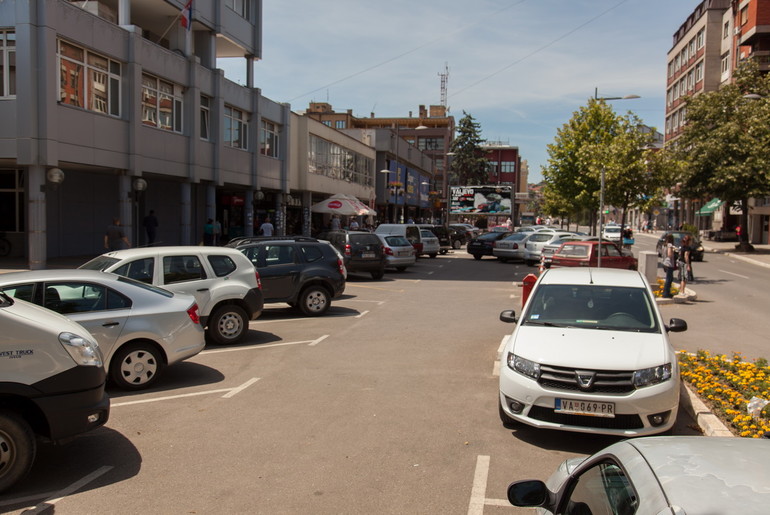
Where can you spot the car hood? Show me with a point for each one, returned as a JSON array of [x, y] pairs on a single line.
[[591, 348]]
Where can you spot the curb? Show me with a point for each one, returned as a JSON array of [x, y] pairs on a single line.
[[709, 423]]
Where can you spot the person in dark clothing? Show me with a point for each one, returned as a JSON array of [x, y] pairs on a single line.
[[114, 237], [151, 226]]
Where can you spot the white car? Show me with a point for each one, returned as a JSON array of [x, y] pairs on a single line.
[[430, 243], [533, 246], [140, 328], [223, 280], [612, 233], [590, 353]]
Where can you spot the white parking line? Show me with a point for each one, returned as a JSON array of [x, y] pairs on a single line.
[[318, 340], [47, 504], [479, 490], [254, 347], [737, 275], [272, 321], [229, 392], [362, 314]]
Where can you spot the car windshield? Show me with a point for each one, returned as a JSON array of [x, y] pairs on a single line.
[[612, 229], [616, 308], [517, 236], [397, 241], [99, 263], [364, 239], [490, 236], [425, 233]]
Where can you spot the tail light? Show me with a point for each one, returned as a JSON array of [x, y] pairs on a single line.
[[515, 246], [347, 250], [259, 280], [192, 312], [341, 266], [388, 251]]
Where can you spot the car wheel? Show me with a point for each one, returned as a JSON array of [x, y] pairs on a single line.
[[443, 251], [507, 421], [136, 366], [228, 324], [502, 259], [456, 244], [17, 448], [378, 274], [476, 256], [314, 301], [432, 256], [400, 268]]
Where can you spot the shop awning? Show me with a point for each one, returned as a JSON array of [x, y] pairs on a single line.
[[709, 207]]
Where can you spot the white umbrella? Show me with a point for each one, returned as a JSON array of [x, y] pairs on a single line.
[[342, 205]]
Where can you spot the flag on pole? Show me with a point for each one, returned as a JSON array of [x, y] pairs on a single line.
[[186, 19]]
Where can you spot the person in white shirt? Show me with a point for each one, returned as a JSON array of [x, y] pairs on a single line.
[[266, 229], [354, 224], [335, 223]]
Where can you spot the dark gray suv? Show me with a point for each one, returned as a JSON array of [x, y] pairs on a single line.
[[301, 271], [361, 250]]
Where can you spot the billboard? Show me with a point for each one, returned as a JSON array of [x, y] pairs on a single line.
[[480, 200]]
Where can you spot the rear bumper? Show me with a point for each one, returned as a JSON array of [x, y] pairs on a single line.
[[254, 302]]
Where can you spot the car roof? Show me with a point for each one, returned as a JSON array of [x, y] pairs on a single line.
[[74, 274], [170, 251], [710, 475], [593, 276]]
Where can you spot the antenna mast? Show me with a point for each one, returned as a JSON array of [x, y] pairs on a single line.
[[444, 78]]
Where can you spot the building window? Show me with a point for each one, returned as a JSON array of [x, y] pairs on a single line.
[[161, 104], [241, 7], [328, 123], [11, 200], [725, 62], [268, 139], [701, 37], [699, 72], [7, 64], [430, 143], [744, 15], [508, 167], [88, 80], [236, 128], [205, 117], [339, 124], [726, 30], [692, 48], [677, 62], [332, 160]]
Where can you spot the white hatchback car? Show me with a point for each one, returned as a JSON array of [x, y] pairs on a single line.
[[590, 354]]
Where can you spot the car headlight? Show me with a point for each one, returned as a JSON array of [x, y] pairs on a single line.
[[523, 366], [651, 376], [84, 351]]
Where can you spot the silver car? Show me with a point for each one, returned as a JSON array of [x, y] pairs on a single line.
[[511, 247], [658, 474], [535, 243], [430, 243], [399, 253], [140, 328]]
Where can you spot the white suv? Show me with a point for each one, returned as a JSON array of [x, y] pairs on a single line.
[[591, 354], [224, 282]]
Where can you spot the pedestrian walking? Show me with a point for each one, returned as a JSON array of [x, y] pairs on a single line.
[[114, 237], [150, 226], [335, 223], [266, 229], [683, 256], [669, 266], [210, 232]]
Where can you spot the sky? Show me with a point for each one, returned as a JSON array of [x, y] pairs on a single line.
[[521, 68]]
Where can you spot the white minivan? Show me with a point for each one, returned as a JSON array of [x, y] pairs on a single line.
[[409, 231]]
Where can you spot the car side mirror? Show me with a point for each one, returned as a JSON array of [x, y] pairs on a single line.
[[529, 493], [508, 316], [676, 325]]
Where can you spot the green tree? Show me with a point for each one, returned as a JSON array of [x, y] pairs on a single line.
[[723, 149], [469, 165]]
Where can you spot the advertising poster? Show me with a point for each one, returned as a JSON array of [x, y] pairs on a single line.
[[480, 199]]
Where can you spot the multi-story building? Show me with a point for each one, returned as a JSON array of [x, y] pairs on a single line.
[[504, 169]]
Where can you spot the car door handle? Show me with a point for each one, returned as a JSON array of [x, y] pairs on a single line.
[[110, 324], [203, 289]]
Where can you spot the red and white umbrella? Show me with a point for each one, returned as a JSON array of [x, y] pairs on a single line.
[[344, 205]]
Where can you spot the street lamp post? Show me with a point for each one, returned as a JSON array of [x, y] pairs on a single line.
[[601, 188]]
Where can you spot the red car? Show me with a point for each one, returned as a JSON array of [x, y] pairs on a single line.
[[584, 253]]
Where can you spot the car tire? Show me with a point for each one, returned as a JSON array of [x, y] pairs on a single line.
[[433, 256], [136, 366], [18, 447], [314, 301], [507, 421], [456, 244], [443, 251], [228, 324], [476, 256], [378, 274], [502, 259], [400, 268]]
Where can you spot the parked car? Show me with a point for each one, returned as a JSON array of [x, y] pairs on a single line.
[[458, 237], [430, 243], [535, 243], [361, 251], [399, 253], [612, 233], [52, 384], [464, 231], [590, 353], [549, 249], [586, 253], [472, 229], [304, 272], [223, 281], [140, 328], [659, 474], [409, 231], [511, 248], [483, 245], [443, 234], [696, 253]]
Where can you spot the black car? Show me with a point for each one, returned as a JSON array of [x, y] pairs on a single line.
[[362, 251], [483, 245], [447, 238], [696, 247], [304, 272]]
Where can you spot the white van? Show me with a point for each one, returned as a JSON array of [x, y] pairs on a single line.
[[52, 387], [409, 231]]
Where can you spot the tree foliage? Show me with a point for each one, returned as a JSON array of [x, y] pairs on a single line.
[[468, 164]]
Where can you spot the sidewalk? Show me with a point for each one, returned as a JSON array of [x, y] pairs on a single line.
[[760, 256]]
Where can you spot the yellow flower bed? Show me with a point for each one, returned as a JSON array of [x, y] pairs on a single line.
[[659, 290], [728, 385]]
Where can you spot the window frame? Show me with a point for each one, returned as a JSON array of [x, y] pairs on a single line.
[[269, 138], [83, 74], [154, 114], [235, 122], [7, 63]]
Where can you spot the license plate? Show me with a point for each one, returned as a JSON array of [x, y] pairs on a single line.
[[590, 408], [404, 253], [367, 255]]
